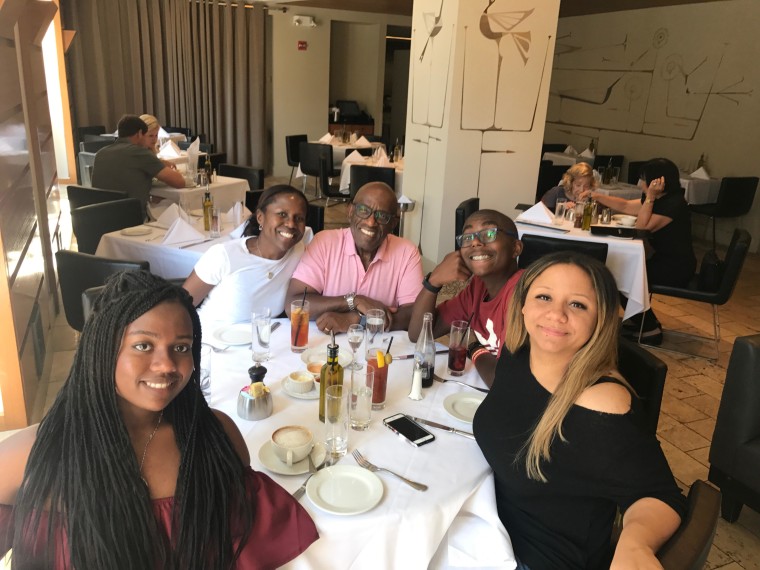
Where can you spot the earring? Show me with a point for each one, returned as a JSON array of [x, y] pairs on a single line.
[[261, 227]]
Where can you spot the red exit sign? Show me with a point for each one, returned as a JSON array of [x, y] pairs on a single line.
[[302, 45]]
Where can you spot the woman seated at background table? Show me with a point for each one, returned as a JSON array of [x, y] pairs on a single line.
[[130, 468], [558, 431], [252, 272], [578, 179], [663, 211]]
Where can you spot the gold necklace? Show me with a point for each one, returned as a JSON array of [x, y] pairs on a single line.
[[145, 451], [258, 249]]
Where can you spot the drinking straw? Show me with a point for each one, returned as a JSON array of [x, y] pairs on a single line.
[[298, 330], [390, 342]]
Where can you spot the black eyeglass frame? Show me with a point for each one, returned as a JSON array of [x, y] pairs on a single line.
[[482, 236], [381, 217]]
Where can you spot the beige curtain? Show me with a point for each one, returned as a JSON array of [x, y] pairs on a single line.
[[191, 63]]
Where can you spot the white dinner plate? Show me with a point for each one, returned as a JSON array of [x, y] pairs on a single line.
[[319, 354], [312, 394], [237, 334], [272, 462], [344, 490], [198, 212], [136, 231], [462, 405]]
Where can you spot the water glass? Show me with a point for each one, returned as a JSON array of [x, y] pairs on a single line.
[[458, 339], [261, 324], [360, 404], [336, 420], [215, 229], [559, 211], [376, 340], [205, 371], [355, 336], [615, 174], [299, 326]]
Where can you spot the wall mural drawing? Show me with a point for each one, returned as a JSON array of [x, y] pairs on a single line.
[[430, 68], [634, 85]]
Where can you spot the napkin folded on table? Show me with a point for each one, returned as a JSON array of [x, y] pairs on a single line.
[[169, 150], [588, 153], [571, 151], [181, 232], [537, 213], [363, 142], [700, 173], [384, 161], [405, 200], [237, 214], [192, 154], [326, 138], [169, 215], [354, 158]]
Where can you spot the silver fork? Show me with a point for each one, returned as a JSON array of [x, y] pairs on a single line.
[[216, 348], [444, 380], [361, 460], [302, 489]]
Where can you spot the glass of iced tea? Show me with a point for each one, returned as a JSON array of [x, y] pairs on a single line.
[[375, 345], [299, 325], [458, 340]]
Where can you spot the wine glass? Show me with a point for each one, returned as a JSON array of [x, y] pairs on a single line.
[[355, 339]]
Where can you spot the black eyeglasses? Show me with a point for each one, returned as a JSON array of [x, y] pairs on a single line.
[[364, 212], [484, 236]]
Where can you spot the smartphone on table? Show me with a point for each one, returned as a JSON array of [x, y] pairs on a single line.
[[408, 429]]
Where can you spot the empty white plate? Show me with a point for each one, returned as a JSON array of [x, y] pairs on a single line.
[[136, 231], [344, 490], [463, 405], [237, 334]]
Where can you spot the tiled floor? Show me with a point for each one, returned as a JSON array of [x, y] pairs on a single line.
[[692, 394]]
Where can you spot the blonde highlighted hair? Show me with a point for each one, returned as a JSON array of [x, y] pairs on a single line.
[[150, 121], [598, 357], [579, 170]]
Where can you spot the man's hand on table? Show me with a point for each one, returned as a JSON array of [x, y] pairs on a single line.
[[364, 304], [336, 322]]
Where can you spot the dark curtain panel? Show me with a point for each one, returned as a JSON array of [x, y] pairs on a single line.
[[191, 63]]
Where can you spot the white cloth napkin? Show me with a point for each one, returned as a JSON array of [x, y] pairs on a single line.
[[405, 200], [354, 158], [169, 216], [384, 161], [588, 153], [169, 150], [192, 154], [237, 214], [363, 142], [537, 213], [181, 232], [326, 139], [700, 173], [571, 151], [597, 177]]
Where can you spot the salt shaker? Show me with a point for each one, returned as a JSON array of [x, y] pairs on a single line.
[[416, 391]]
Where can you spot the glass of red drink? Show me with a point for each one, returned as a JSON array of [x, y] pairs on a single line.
[[458, 339], [381, 378], [299, 325]]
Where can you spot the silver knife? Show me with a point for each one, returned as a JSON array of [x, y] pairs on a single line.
[[443, 427], [196, 243], [408, 356]]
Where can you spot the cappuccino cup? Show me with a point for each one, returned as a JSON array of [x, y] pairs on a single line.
[[292, 444]]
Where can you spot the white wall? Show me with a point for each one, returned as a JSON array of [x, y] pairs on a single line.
[[677, 82], [301, 79]]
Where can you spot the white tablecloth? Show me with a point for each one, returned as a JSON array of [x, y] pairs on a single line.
[[561, 158], [699, 190], [168, 261], [625, 260], [225, 190], [345, 174], [407, 527]]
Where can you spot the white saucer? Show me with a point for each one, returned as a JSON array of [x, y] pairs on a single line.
[[312, 394], [319, 354], [272, 463], [463, 405], [136, 231], [237, 334], [344, 490]]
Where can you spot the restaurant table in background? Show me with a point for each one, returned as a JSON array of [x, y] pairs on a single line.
[[625, 259], [560, 158], [345, 173], [168, 261], [621, 190], [700, 190], [225, 191], [407, 527]]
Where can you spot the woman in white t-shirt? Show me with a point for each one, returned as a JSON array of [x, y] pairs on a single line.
[[253, 272]]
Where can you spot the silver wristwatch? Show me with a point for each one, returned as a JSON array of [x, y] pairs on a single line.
[[349, 297]]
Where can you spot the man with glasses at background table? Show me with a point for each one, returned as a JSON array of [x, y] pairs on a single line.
[[348, 271], [489, 248]]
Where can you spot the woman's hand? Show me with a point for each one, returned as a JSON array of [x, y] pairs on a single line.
[[656, 188]]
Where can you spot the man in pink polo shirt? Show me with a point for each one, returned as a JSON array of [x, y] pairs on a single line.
[[348, 271]]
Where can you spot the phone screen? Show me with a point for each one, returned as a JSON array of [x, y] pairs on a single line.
[[409, 429]]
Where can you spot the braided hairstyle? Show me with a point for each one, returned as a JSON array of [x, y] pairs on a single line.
[[82, 468]]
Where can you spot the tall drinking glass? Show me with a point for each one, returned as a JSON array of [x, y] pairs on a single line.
[[360, 403], [336, 420], [261, 323], [458, 339], [376, 345], [559, 211], [299, 326], [355, 339], [205, 372]]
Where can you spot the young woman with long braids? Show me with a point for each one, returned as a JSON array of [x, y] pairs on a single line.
[[558, 431], [130, 468]]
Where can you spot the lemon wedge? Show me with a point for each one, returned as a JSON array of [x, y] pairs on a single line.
[[380, 359], [388, 358]]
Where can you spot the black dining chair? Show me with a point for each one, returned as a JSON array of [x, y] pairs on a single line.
[[735, 199], [83, 196], [310, 155], [79, 271], [362, 151], [634, 167], [181, 130], [293, 152], [89, 223], [553, 147], [646, 374], [605, 160], [462, 212], [549, 176], [315, 218], [252, 198], [361, 174], [536, 246], [327, 190], [254, 176], [95, 146], [216, 158]]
